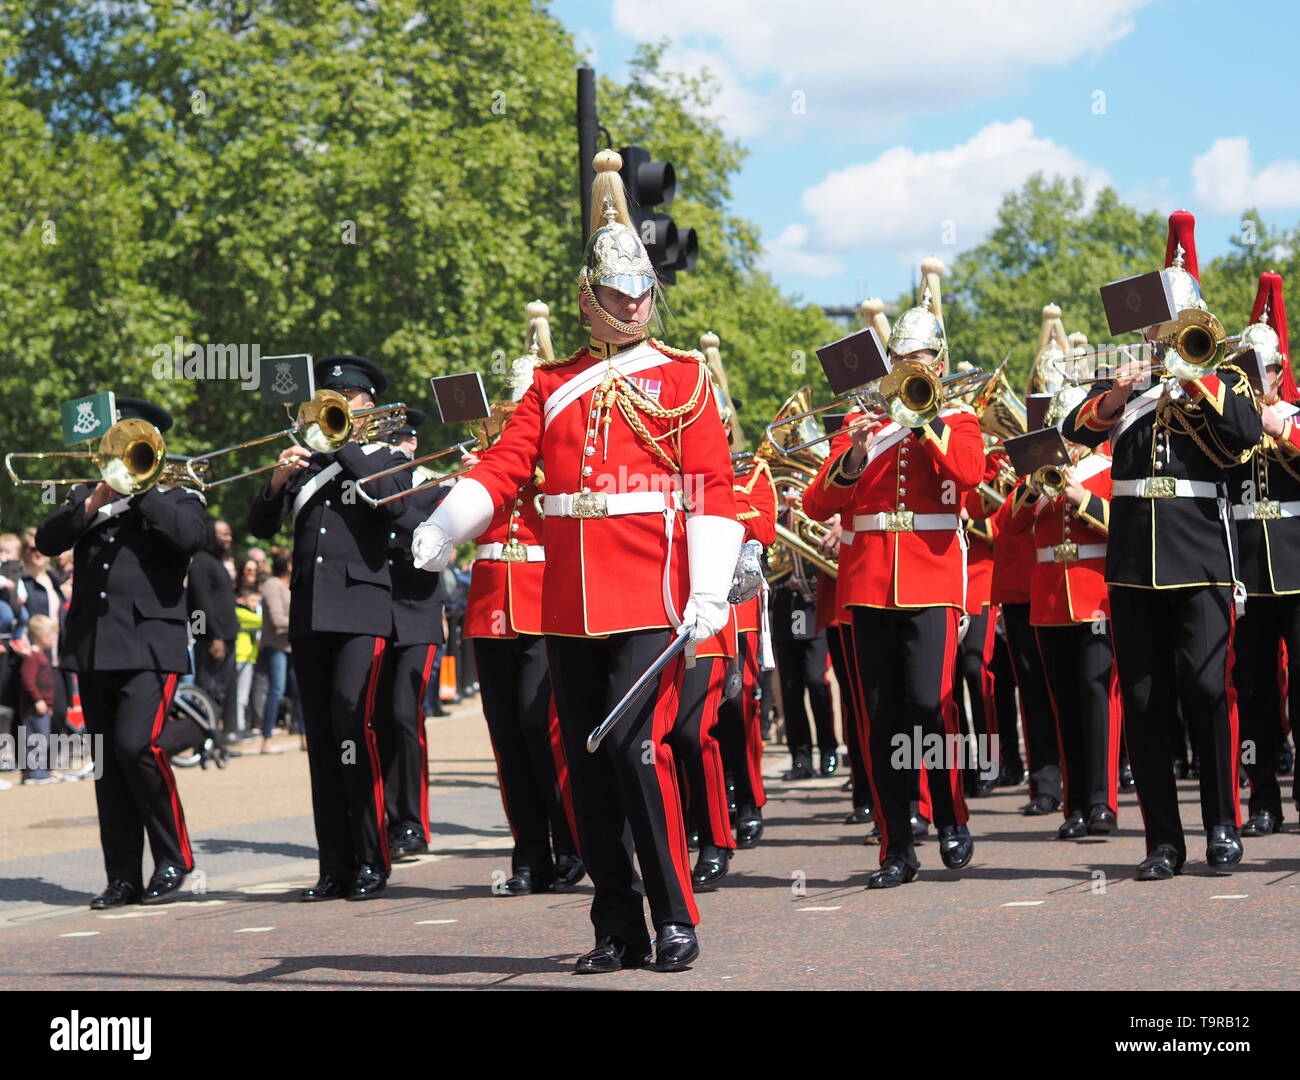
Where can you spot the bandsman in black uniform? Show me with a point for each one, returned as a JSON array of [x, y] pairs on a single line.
[[1266, 505], [1171, 572], [408, 662], [340, 615], [125, 636]]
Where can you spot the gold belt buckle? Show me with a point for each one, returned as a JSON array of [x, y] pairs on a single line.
[[590, 504], [1067, 552], [514, 551], [1268, 510], [899, 521], [1161, 487]]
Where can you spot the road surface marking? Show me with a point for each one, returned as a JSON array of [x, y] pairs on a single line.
[[1231, 896], [134, 914], [835, 908], [1024, 903], [81, 933], [435, 922], [254, 929]]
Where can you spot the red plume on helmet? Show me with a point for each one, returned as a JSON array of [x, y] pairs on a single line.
[[1268, 300], [1182, 231]]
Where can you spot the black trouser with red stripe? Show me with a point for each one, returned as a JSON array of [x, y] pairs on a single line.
[[699, 757], [906, 659], [338, 682], [1041, 746], [1268, 621], [399, 726], [839, 639], [801, 666], [135, 791], [1079, 666], [1004, 698], [974, 657], [740, 726], [516, 693], [628, 785], [1178, 641]]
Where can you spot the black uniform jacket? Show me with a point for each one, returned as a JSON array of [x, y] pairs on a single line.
[[212, 592], [1268, 488], [340, 581], [128, 607], [1164, 543], [417, 594]]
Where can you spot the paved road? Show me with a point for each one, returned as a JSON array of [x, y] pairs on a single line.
[[1030, 912]]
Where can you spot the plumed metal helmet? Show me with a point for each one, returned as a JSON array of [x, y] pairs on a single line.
[[1181, 264], [1046, 376], [921, 327], [615, 255], [537, 347], [1268, 334]]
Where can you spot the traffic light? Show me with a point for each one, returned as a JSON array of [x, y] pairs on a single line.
[[651, 184]]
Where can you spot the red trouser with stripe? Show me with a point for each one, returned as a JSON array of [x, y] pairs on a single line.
[[338, 681], [135, 791], [630, 782]]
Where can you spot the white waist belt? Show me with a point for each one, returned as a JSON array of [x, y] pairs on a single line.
[[599, 504], [1265, 510], [1165, 487], [903, 521], [517, 552], [1068, 552]]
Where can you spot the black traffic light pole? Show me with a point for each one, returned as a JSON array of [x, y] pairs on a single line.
[[588, 127]]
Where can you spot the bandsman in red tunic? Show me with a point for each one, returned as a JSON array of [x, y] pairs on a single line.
[[899, 491], [503, 619], [641, 538]]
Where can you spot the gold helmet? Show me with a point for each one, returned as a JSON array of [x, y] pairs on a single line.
[[615, 255], [921, 327]]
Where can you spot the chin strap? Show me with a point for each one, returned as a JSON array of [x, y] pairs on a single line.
[[584, 286]]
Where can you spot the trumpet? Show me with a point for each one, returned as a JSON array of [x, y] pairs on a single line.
[[1049, 480], [1198, 342], [324, 424], [131, 457]]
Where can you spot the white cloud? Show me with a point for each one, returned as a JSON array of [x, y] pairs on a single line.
[[1226, 183], [863, 64], [937, 200], [788, 256]]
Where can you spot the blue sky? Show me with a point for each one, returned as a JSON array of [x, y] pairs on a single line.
[[882, 132]]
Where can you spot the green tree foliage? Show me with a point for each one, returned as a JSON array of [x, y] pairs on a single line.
[[1052, 245], [395, 180]]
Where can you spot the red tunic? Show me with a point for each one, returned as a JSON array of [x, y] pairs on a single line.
[[1064, 593], [505, 598], [926, 473], [1013, 557], [607, 575], [756, 510], [979, 551]]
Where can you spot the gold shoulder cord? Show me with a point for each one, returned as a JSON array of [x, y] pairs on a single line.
[[616, 390], [1186, 418], [559, 360]]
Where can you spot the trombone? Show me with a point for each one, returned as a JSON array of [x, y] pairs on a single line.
[[324, 424], [414, 463], [131, 457], [1198, 342]]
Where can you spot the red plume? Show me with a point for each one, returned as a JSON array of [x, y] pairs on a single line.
[[1182, 230], [1269, 296]]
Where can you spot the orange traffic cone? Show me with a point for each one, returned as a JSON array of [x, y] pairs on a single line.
[[447, 679]]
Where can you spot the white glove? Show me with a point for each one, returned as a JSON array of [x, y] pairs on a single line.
[[464, 513], [712, 545]]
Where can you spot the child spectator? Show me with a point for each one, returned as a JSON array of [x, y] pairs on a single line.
[[36, 700]]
